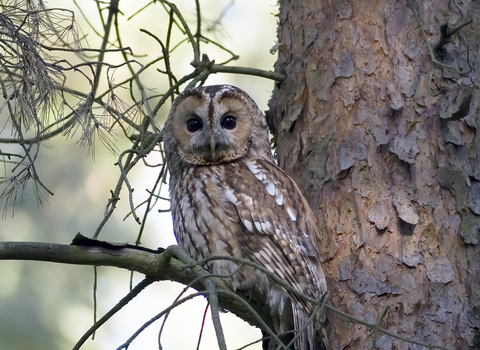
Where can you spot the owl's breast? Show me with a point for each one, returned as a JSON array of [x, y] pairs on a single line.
[[205, 224]]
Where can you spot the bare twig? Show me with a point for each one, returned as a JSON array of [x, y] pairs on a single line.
[[377, 325], [130, 296], [413, 6]]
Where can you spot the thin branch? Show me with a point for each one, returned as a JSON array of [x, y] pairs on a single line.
[[215, 68], [198, 34], [377, 325], [127, 183], [196, 50], [381, 330], [318, 310], [202, 327], [112, 10], [95, 289], [84, 49], [214, 309], [446, 33], [413, 6], [158, 316], [129, 297], [158, 183]]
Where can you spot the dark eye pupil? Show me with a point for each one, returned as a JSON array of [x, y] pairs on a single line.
[[229, 122], [194, 124]]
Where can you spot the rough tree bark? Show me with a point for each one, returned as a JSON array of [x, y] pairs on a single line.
[[384, 143]]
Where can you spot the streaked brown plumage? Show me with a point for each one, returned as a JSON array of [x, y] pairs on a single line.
[[230, 198]]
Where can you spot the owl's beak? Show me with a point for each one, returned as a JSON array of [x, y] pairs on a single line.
[[213, 145]]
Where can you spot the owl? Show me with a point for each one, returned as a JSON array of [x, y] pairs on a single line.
[[229, 197]]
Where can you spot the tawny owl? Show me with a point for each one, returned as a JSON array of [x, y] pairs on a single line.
[[230, 198]]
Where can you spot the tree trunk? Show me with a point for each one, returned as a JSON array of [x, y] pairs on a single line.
[[383, 141]]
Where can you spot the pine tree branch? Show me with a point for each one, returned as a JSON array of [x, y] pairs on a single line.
[[161, 265]]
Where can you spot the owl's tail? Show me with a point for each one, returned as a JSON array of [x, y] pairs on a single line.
[[313, 337]]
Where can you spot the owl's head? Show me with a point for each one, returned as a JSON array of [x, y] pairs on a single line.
[[215, 124]]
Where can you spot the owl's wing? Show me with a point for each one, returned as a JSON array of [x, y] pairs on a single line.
[[279, 229]]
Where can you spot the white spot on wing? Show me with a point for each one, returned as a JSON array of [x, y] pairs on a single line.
[[253, 168], [264, 226], [230, 196], [258, 226], [248, 225], [270, 188], [291, 214], [279, 197], [258, 174]]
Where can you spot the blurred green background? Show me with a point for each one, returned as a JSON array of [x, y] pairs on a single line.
[[49, 306]]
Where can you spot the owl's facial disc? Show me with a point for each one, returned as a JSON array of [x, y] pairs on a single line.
[[212, 131]]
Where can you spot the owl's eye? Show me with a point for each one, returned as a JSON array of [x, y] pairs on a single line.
[[194, 124], [228, 122]]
